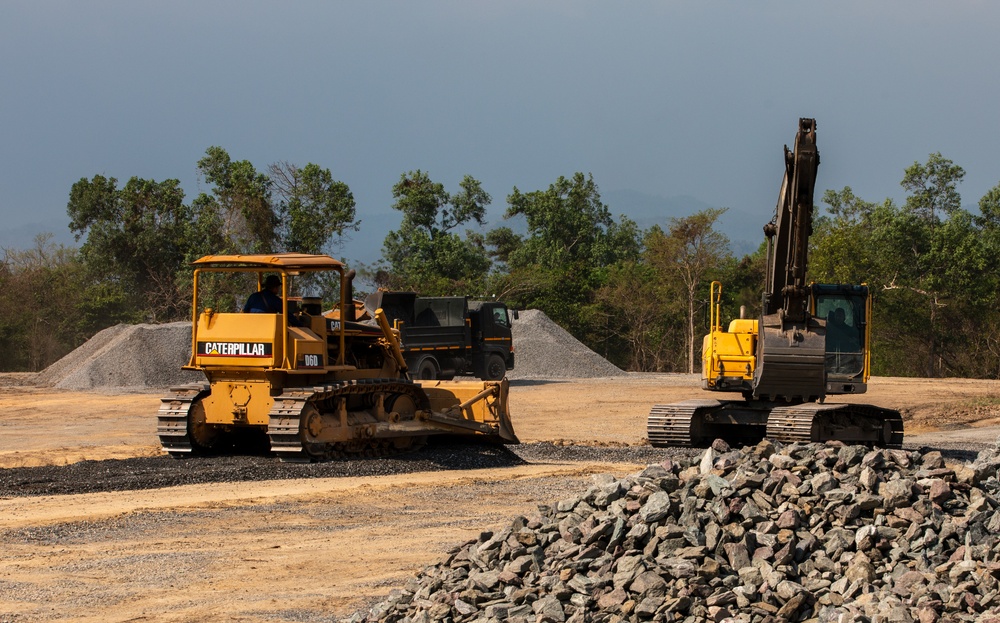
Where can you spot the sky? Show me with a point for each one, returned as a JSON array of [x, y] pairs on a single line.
[[663, 100]]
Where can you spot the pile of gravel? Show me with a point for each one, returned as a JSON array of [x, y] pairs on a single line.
[[543, 349], [126, 357], [768, 533], [150, 356]]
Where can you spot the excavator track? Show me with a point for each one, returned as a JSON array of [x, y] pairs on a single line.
[[172, 418], [286, 426], [694, 423], [671, 425], [849, 423]]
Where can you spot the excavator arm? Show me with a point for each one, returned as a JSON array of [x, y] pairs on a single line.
[[788, 232], [791, 346]]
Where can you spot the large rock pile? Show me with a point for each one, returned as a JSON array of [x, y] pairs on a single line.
[[543, 349], [801, 532]]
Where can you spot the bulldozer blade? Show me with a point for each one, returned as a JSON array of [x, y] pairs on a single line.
[[466, 406]]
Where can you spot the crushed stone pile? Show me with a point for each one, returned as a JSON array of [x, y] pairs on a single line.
[[543, 349], [768, 533], [126, 357], [147, 356]]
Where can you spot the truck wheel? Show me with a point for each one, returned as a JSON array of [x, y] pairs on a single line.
[[427, 369], [496, 368]]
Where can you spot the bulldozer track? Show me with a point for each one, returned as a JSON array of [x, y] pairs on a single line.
[[172, 418], [285, 420]]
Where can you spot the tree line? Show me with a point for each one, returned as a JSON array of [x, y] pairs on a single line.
[[638, 297]]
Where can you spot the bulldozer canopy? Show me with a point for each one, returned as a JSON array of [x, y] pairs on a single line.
[[273, 261]]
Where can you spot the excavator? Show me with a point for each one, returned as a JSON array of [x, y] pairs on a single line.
[[316, 385], [810, 341]]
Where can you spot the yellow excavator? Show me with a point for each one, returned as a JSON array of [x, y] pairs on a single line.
[[811, 340], [317, 385]]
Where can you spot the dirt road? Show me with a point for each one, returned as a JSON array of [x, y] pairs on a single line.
[[316, 549]]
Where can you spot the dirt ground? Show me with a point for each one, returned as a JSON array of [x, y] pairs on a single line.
[[316, 550]]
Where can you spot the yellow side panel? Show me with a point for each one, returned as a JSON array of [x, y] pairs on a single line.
[[728, 354], [239, 340], [308, 349], [743, 325]]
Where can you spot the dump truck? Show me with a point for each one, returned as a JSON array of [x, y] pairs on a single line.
[[810, 341], [447, 336], [315, 385]]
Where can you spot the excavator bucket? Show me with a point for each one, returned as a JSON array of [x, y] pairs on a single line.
[[469, 407]]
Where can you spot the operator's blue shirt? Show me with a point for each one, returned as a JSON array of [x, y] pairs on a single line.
[[263, 302]]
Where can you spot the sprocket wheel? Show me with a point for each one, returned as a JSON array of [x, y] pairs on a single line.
[[310, 428], [205, 438]]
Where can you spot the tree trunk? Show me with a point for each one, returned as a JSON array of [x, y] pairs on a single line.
[[690, 335]]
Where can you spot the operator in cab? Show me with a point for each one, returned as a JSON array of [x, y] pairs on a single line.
[[267, 300]]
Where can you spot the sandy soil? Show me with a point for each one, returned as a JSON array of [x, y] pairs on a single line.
[[315, 550]]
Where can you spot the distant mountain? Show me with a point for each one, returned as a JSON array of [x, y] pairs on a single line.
[[23, 236], [744, 230]]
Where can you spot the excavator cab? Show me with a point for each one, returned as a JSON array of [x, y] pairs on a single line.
[[845, 309]]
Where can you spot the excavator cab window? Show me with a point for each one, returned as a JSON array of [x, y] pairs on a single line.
[[844, 313]]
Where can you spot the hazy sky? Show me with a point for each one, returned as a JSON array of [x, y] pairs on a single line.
[[663, 98]]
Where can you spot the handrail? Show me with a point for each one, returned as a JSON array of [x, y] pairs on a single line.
[[715, 313], [194, 321], [286, 363]]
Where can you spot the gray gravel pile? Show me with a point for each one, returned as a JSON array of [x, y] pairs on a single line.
[[79, 356], [768, 533], [543, 349], [126, 357], [146, 356]]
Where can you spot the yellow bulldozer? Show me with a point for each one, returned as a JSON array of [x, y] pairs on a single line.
[[318, 385]]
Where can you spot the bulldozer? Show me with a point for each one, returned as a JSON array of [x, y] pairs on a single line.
[[810, 341], [317, 385]]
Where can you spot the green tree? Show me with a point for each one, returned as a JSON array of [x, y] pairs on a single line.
[[841, 249], [934, 229], [313, 208], [933, 187], [687, 255], [571, 243], [985, 343], [136, 239], [645, 322], [42, 290], [426, 254], [924, 261], [240, 203]]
